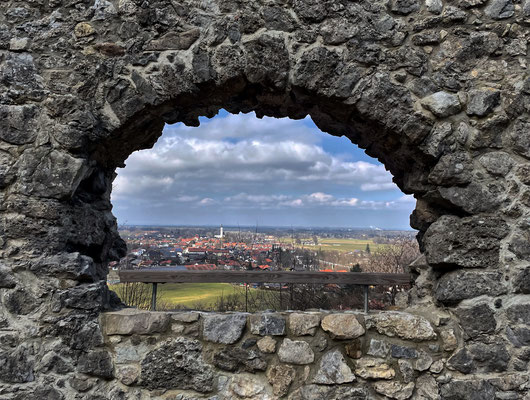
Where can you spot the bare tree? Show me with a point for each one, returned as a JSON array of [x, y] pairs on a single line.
[[134, 294], [393, 259]]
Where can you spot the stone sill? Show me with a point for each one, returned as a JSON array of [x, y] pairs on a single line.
[[318, 347], [338, 325]]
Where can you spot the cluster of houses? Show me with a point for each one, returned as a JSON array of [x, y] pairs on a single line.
[[153, 250]]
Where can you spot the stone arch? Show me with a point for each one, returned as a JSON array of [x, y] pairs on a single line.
[[437, 92]]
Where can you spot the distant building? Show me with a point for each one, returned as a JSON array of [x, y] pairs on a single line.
[[221, 234]]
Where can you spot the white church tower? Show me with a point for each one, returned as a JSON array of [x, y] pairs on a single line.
[[221, 233]]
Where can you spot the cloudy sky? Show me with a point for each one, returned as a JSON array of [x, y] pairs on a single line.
[[238, 169]]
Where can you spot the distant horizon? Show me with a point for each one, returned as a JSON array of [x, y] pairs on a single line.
[[227, 226]]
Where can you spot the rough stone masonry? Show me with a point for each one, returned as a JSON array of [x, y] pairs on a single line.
[[437, 90]]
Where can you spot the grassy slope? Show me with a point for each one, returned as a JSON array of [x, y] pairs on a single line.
[[192, 294]]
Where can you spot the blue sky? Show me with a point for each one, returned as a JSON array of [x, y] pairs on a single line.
[[238, 169]]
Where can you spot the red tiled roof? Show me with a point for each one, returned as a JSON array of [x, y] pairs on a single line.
[[197, 249]]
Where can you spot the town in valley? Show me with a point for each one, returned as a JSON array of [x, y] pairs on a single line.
[[236, 248]]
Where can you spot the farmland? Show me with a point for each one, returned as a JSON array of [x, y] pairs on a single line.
[[343, 245]]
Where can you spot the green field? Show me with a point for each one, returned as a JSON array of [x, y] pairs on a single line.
[[202, 296], [344, 245], [195, 294]]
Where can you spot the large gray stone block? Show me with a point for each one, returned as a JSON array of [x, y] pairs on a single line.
[[302, 324], [342, 326], [223, 328], [402, 325], [177, 364], [296, 352], [461, 284], [476, 320], [267, 324], [133, 321], [333, 369], [472, 242]]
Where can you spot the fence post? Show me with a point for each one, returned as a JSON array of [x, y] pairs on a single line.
[[246, 297], [291, 299], [280, 296], [365, 287], [153, 297]]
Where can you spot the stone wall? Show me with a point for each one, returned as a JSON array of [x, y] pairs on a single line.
[[437, 90], [297, 356]]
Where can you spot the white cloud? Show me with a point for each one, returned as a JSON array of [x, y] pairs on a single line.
[[320, 197], [245, 126], [370, 187], [257, 199], [207, 201], [185, 162], [315, 200], [185, 199], [293, 203], [241, 162]]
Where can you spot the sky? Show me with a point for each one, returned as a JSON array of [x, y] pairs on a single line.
[[241, 170]]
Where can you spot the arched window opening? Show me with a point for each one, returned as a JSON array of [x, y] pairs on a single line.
[[240, 193]]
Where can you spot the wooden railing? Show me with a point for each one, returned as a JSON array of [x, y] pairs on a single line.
[[365, 279]]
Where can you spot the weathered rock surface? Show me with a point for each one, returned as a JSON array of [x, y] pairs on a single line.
[[20, 302], [490, 357], [16, 367], [403, 352], [6, 278], [500, 9], [267, 345], [423, 361], [394, 390], [368, 368], [477, 319], [522, 281], [267, 324], [519, 336], [281, 377], [378, 348], [452, 169], [407, 370], [519, 311], [130, 351], [333, 369], [483, 101], [177, 364], [442, 104], [243, 386], [187, 317], [132, 321], [97, 363], [461, 361], [342, 326], [449, 339], [225, 329], [303, 324], [128, 375], [403, 325], [497, 163], [427, 388], [237, 359], [295, 352], [471, 390], [317, 392], [471, 242], [460, 285]]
